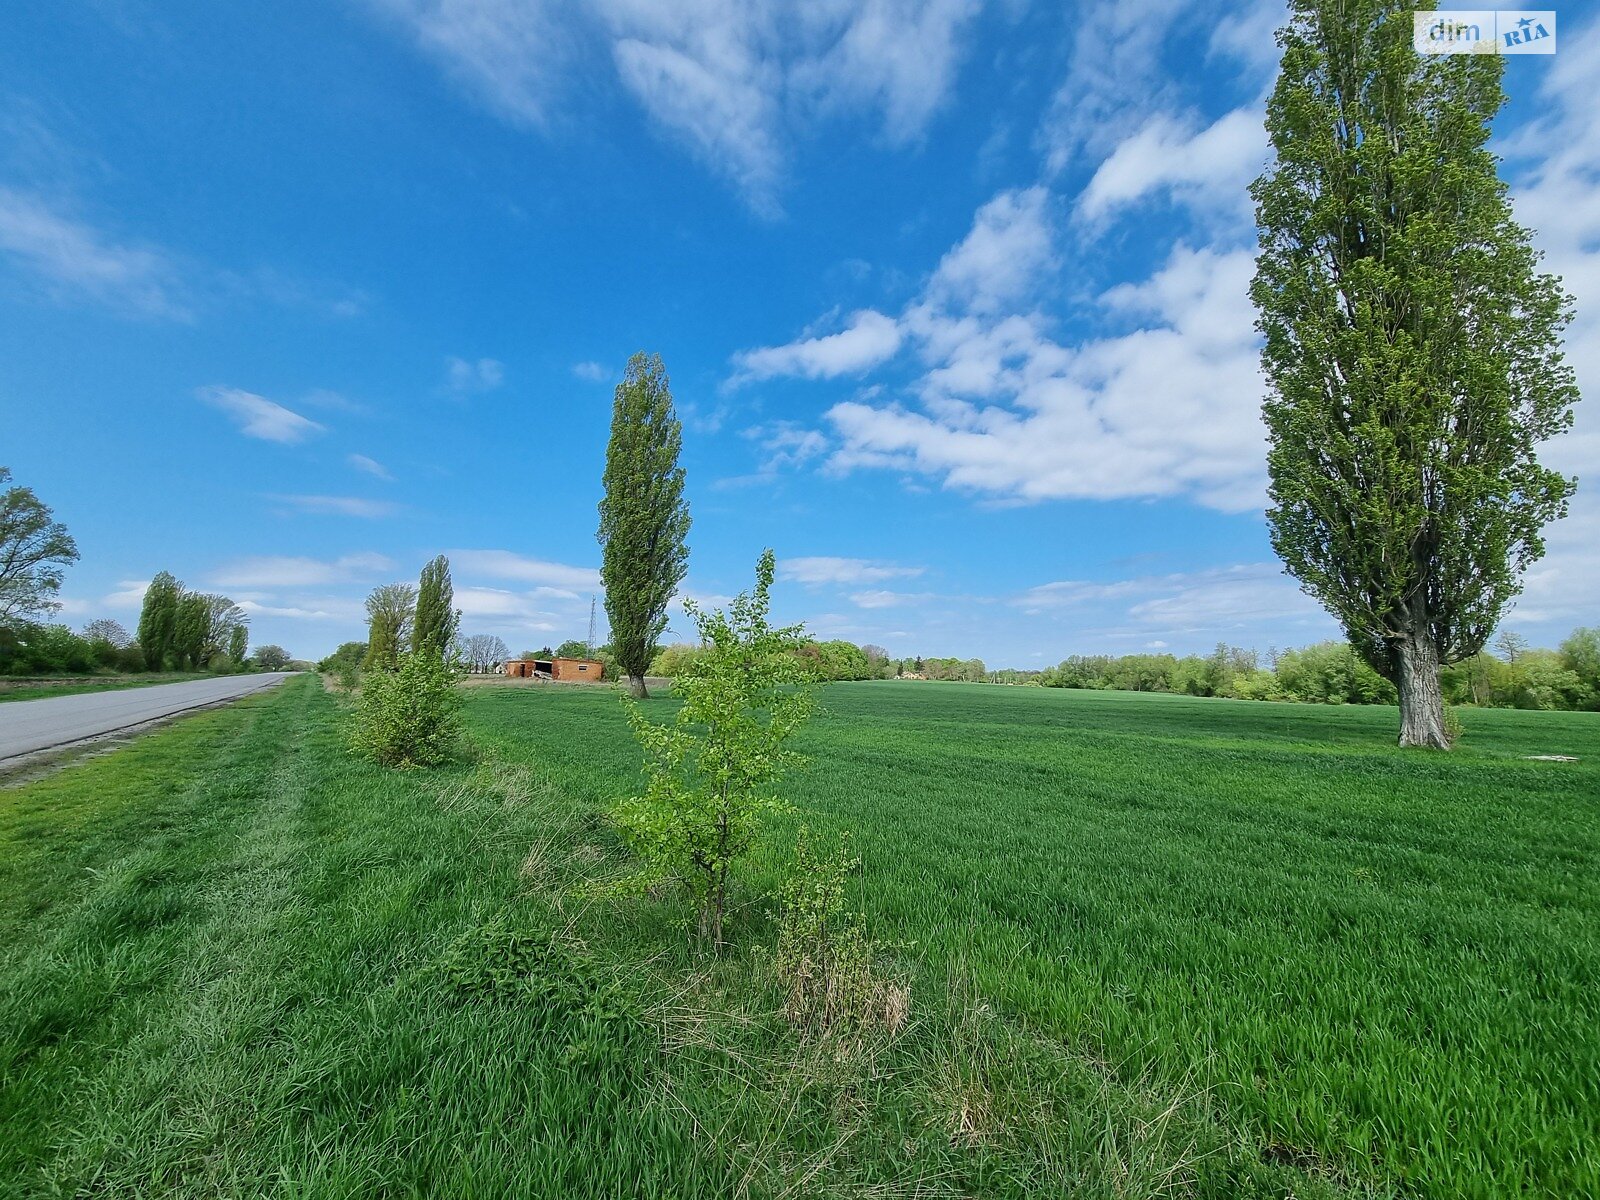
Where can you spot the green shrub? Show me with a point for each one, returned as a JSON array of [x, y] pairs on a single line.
[[410, 717], [711, 773]]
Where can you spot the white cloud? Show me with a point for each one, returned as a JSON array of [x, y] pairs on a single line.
[[592, 372], [730, 79], [503, 564], [466, 378], [340, 506], [278, 571], [1250, 601], [879, 598], [1554, 161], [259, 417], [869, 339], [1169, 409], [509, 53], [129, 593], [1116, 75], [73, 260], [1207, 168], [371, 466], [819, 570], [327, 610], [1009, 249]]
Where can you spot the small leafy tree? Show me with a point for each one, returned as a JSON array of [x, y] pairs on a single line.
[[238, 642], [410, 717], [710, 774]]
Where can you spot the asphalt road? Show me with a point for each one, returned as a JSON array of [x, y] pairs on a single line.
[[30, 725]]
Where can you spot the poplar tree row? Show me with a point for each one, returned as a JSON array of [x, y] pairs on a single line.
[[184, 630]]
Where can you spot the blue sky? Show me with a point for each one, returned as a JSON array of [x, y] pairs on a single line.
[[293, 297]]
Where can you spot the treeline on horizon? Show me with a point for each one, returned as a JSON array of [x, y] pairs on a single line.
[[1518, 676], [179, 631]]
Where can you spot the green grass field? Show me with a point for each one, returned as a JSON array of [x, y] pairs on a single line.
[[1156, 946]]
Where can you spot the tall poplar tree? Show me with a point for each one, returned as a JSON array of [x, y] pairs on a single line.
[[1412, 347], [644, 518], [433, 631], [158, 620]]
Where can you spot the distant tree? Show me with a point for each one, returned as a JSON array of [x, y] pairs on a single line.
[[644, 518], [572, 648], [223, 617], [1580, 654], [390, 611], [351, 652], [106, 630], [158, 620], [238, 642], [1512, 645], [483, 651], [272, 658], [433, 630], [35, 549], [1412, 349]]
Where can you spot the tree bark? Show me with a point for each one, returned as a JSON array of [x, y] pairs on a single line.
[[636, 687], [1421, 701]]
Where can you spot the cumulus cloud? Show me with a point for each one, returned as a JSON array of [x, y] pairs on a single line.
[[821, 570], [72, 259], [1009, 249], [1209, 167], [869, 339], [1169, 409], [259, 417]]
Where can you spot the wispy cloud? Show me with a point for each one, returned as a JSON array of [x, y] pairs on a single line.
[[504, 564], [820, 570], [276, 571], [370, 466], [731, 82], [339, 506], [72, 260], [591, 372], [468, 378], [259, 417]]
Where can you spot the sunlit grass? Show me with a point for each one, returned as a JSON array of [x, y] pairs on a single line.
[[1155, 946]]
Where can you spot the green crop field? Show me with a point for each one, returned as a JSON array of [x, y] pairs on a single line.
[[1155, 946]]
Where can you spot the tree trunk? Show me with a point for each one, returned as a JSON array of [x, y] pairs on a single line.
[[1421, 701], [636, 687]]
